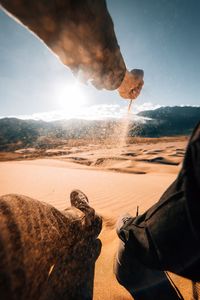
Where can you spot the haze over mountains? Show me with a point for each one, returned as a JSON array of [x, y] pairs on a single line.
[[165, 121]]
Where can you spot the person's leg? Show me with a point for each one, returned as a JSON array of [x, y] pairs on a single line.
[[142, 282], [196, 290], [166, 237]]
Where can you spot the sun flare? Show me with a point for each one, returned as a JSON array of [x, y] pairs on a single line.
[[71, 99]]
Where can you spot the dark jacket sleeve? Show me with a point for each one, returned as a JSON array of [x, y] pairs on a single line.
[[167, 236], [80, 32]]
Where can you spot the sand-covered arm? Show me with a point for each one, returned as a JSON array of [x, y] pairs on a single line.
[[80, 32]]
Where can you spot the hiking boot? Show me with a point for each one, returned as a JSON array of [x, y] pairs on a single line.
[[121, 225], [79, 200]]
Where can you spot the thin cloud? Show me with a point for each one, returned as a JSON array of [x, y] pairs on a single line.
[[95, 112]]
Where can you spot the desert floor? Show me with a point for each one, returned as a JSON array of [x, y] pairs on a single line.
[[115, 180]]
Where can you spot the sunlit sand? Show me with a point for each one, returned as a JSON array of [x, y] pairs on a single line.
[[113, 184]]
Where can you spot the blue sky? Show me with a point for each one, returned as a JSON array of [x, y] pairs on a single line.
[[159, 36]]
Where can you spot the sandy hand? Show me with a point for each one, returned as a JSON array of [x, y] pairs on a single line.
[[132, 84]]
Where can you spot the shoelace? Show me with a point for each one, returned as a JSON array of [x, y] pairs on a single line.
[[125, 219]]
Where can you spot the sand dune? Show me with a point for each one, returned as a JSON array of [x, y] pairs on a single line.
[[132, 159], [110, 193], [161, 160], [115, 180], [52, 180]]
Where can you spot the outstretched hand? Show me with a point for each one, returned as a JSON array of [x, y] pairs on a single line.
[[132, 84]]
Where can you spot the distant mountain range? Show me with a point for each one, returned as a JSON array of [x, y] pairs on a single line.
[[169, 121], [165, 121]]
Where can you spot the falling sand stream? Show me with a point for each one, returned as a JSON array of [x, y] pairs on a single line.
[[115, 140], [122, 130]]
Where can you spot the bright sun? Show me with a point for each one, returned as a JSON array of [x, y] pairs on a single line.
[[71, 98]]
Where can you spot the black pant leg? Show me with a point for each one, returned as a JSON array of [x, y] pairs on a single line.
[[141, 281]]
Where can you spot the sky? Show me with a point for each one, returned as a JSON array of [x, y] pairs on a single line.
[[159, 36]]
